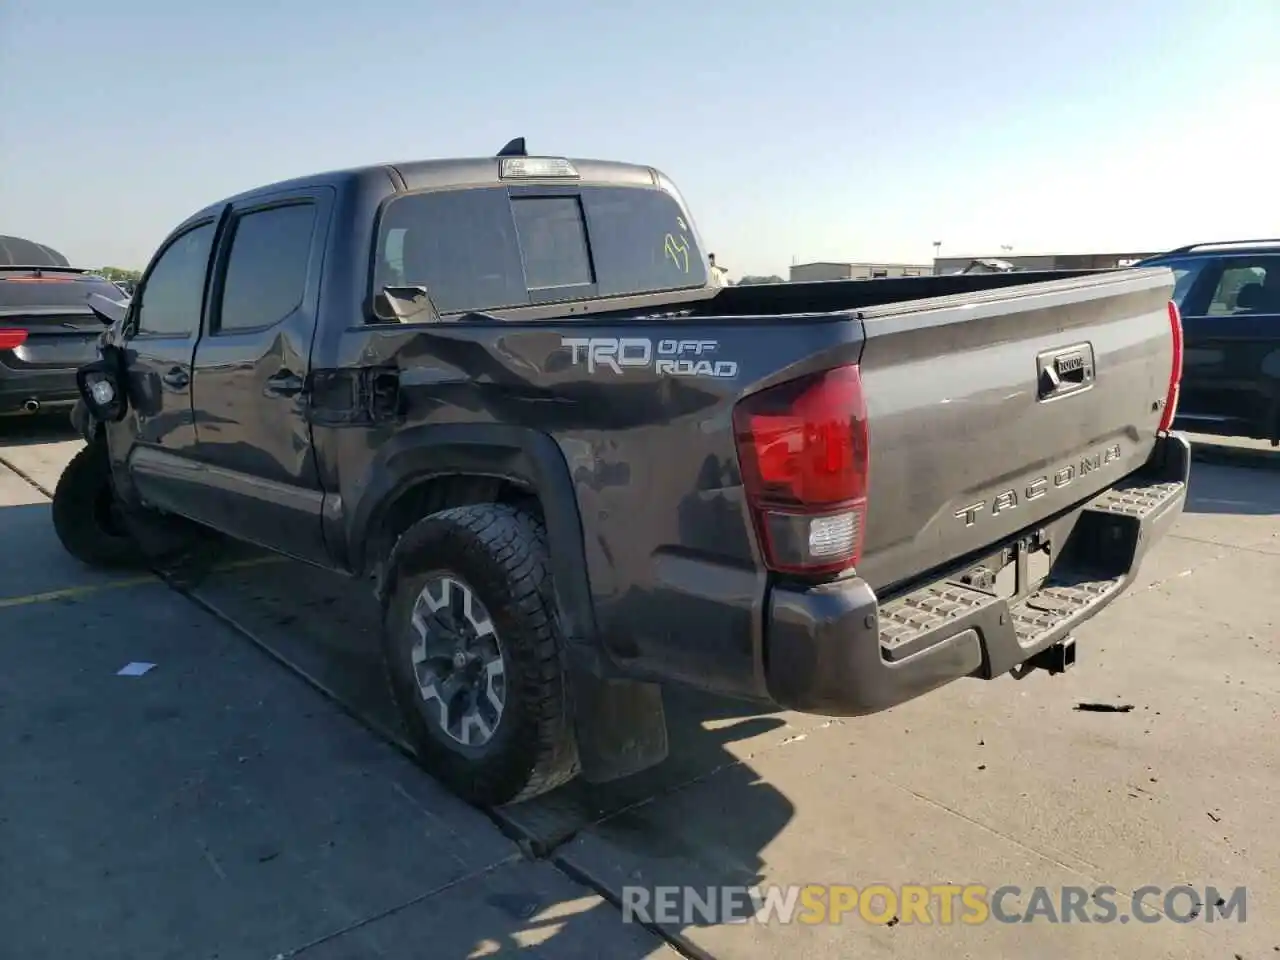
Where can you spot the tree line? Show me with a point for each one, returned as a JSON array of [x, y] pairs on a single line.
[[120, 274]]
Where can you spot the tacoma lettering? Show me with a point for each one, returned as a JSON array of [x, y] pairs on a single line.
[[1010, 499]]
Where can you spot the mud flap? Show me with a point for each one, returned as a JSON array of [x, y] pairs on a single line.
[[620, 725]]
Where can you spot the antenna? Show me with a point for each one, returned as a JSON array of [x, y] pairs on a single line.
[[514, 148]]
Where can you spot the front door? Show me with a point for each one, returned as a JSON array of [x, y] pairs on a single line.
[[1231, 364], [251, 373], [164, 326]]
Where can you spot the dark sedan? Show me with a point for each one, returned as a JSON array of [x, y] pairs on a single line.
[[46, 332]]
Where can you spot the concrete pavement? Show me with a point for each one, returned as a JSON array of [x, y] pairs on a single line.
[[989, 783], [218, 806]]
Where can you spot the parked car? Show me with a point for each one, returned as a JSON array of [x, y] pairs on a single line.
[[988, 265], [47, 331], [1229, 297], [576, 469]]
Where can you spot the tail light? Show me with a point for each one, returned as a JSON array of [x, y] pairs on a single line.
[[1175, 375], [803, 450], [12, 339]]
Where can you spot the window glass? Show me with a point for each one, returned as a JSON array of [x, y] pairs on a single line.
[[1247, 285], [1184, 275], [640, 241], [266, 273], [174, 293], [553, 241], [458, 244], [481, 249]]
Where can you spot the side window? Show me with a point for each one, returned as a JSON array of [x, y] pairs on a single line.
[[266, 273], [1184, 277], [1247, 285], [173, 295], [553, 242], [458, 244]]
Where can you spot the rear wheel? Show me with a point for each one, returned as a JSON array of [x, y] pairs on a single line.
[[473, 654], [88, 516]]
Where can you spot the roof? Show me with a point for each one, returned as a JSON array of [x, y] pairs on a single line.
[[857, 263], [1224, 246], [473, 171], [18, 252], [1040, 256]]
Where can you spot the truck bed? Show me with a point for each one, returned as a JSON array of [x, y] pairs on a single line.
[[960, 433], [967, 451]]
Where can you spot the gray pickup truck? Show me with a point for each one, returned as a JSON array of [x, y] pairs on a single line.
[[506, 391]]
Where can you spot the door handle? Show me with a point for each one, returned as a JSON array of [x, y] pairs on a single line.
[[286, 383], [1063, 371], [177, 378]]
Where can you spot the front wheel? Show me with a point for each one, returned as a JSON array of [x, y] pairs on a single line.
[[88, 516], [473, 654]]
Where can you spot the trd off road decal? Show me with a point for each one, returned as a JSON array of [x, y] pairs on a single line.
[[672, 358]]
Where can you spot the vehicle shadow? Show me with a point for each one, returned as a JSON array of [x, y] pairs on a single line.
[[38, 428], [325, 628], [1225, 451], [1232, 489], [601, 868]]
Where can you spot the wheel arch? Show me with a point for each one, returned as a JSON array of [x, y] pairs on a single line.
[[620, 723], [434, 467]]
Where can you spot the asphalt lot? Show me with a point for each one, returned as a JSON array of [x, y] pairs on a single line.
[[245, 798]]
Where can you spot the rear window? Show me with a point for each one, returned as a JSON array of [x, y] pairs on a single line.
[[51, 289], [553, 242], [487, 248]]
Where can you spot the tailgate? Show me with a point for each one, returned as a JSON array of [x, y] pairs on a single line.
[[990, 413]]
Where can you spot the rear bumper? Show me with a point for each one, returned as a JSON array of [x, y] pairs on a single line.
[[50, 388], [836, 650]]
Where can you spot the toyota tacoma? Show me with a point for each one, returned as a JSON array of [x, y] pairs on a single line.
[[508, 392]]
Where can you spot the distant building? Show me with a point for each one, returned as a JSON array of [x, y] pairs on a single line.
[[857, 271], [1045, 261]]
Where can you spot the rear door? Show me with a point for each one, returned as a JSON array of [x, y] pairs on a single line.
[[1231, 366], [251, 373]]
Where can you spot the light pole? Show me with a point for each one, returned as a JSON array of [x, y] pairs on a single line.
[[937, 252]]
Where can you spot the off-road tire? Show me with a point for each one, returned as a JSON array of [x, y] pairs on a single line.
[[500, 552], [87, 517]]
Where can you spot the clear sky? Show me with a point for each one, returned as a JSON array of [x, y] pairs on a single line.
[[805, 130]]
